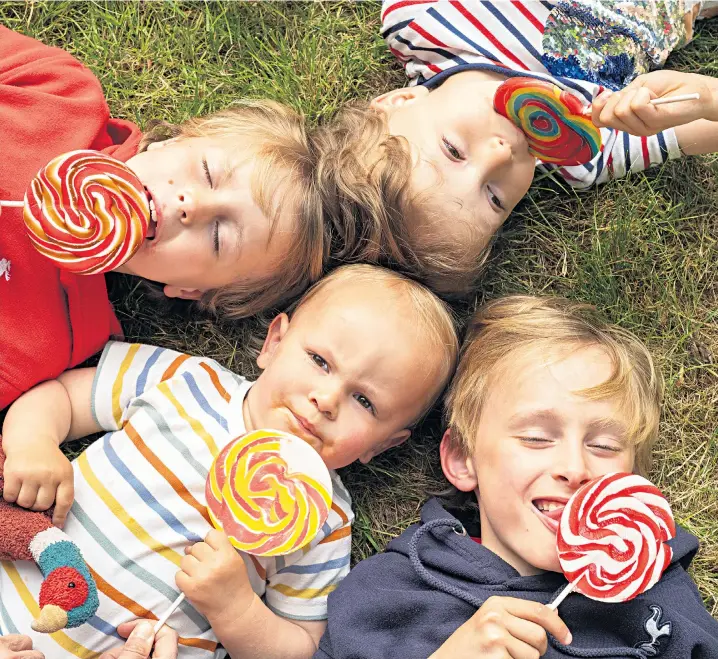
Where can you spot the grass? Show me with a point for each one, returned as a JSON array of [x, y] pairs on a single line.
[[642, 250]]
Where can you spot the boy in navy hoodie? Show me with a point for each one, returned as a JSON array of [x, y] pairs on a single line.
[[546, 398]]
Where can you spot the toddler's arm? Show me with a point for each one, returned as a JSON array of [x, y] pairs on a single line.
[[214, 578], [36, 472], [695, 121]]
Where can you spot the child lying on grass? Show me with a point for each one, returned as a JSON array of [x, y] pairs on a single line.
[[450, 169], [237, 220], [362, 357], [546, 398]]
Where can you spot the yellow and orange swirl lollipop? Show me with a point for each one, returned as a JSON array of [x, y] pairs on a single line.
[[86, 211], [269, 492]]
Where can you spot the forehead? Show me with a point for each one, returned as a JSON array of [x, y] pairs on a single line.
[[554, 380], [374, 330]]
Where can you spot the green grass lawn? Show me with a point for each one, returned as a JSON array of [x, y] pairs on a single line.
[[644, 250]]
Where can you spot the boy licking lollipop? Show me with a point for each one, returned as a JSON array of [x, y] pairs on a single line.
[[452, 168], [350, 370], [546, 398]]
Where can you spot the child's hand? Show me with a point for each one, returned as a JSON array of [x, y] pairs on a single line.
[[38, 474], [15, 646], [505, 627], [629, 109], [214, 578]]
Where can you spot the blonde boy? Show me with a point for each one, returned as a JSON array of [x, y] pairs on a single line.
[[546, 397], [362, 357]]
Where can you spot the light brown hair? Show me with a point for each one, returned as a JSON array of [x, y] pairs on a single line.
[[364, 177], [283, 175], [432, 317], [508, 330]]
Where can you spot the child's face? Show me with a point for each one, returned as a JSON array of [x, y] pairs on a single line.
[[348, 373], [536, 444], [476, 158], [207, 231]]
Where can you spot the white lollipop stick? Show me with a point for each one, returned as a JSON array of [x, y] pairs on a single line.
[[675, 99], [562, 596], [12, 204], [169, 612]]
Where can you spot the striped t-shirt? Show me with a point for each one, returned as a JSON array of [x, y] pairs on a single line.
[[564, 42], [139, 501]]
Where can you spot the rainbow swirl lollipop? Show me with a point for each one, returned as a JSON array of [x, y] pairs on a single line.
[[612, 537], [87, 212], [269, 492], [552, 120]]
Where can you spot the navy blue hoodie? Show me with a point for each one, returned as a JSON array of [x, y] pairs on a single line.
[[406, 602]]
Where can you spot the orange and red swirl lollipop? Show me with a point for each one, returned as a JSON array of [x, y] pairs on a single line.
[[269, 492], [552, 119], [86, 211], [612, 538]]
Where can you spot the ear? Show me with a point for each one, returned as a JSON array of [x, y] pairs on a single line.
[[275, 334], [395, 440], [458, 468], [398, 97], [184, 293]]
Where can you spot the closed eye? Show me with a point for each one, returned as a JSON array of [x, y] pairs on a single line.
[[206, 171], [216, 237], [612, 448], [536, 442]]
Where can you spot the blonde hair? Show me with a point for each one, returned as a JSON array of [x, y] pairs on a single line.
[[432, 317], [514, 328], [364, 177], [279, 142]]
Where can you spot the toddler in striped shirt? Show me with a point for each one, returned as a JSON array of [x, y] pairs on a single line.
[[450, 169], [350, 370]]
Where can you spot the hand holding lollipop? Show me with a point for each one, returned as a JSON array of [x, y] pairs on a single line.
[[269, 492], [86, 211], [612, 538]]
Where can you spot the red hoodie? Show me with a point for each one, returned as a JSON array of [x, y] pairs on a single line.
[[50, 320]]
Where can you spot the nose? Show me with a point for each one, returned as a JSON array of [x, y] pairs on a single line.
[[195, 208], [571, 468], [326, 399], [497, 154]]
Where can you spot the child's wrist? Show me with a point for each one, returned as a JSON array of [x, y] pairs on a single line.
[[226, 619]]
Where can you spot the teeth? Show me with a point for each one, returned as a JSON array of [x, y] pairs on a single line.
[[152, 210], [548, 506]]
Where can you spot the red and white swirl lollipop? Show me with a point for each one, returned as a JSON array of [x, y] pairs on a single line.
[[612, 538], [86, 211]]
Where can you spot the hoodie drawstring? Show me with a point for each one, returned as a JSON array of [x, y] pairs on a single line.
[[437, 584]]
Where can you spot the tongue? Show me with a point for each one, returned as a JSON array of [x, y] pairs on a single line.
[[151, 230], [553, 514]]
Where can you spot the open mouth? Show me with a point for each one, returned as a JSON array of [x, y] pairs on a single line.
[[550, 511], [152, 226]]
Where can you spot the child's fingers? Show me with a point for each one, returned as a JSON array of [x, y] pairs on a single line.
[[44, 498], [190, 565], [626, 111], [11, 488], [16, 642], [200, 550], [27, 495], [541, 615], [529, 634], [63, 503], [217, 540]]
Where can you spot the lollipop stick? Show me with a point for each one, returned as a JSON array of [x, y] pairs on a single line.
[[562, 596], [675, 99], [12, 204], [169, 612]]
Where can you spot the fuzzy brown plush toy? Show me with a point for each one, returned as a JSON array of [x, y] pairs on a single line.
[[68, 595]]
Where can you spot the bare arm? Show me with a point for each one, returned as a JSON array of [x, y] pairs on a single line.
[[36, 472], [262, 634]]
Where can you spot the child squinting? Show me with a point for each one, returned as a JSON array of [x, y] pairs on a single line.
[[362, 357], [546, 397], [453, 169]]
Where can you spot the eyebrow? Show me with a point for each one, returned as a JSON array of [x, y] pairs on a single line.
[[547, 417], [609, 426]]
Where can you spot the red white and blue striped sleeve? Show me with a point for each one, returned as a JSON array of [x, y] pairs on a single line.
[[622, 153]]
